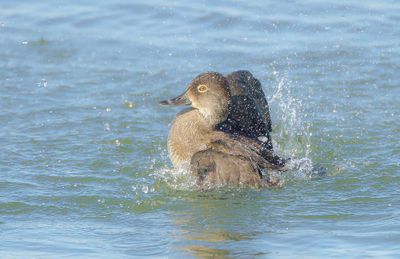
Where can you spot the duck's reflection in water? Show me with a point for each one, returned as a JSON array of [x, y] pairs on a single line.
[[210, 238], [218, 225]]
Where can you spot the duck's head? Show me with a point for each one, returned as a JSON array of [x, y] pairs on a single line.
[[209, 94]]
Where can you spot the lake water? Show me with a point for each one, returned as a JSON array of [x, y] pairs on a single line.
[[84, 170]]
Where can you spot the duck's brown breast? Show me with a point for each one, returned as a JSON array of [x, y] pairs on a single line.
[[188, 134]]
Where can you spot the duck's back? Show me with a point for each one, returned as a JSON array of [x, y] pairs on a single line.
[[213, 168], [231, 162]]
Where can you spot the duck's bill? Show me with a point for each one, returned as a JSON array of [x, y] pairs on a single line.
[[179, 100]]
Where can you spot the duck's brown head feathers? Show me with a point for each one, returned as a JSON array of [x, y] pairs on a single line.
[[209, 93]]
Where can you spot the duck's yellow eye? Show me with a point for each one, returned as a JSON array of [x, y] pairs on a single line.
[[202, 88]]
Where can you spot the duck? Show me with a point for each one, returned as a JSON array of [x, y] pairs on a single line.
[[213, 140]]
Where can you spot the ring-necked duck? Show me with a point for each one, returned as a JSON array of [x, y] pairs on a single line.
[[218, 137]]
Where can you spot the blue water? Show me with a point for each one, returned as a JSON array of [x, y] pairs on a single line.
[[84, 170]]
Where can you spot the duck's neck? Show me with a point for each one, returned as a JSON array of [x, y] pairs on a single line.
[[211, 118], [190, 133]]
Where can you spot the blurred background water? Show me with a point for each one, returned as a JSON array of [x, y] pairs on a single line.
[[84, 170]]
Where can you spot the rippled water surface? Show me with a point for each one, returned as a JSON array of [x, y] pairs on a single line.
[[84, 170]]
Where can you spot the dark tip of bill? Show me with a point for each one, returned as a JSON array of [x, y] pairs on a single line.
[[165, 102]]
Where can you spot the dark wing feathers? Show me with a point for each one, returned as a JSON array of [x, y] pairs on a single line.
[[248, 110], [244, 83]]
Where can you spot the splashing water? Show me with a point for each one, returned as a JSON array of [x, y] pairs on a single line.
[[291, 134], [177, 178]]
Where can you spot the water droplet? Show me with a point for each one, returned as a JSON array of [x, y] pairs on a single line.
[[129, 104], [107, 126], [44, 82]]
